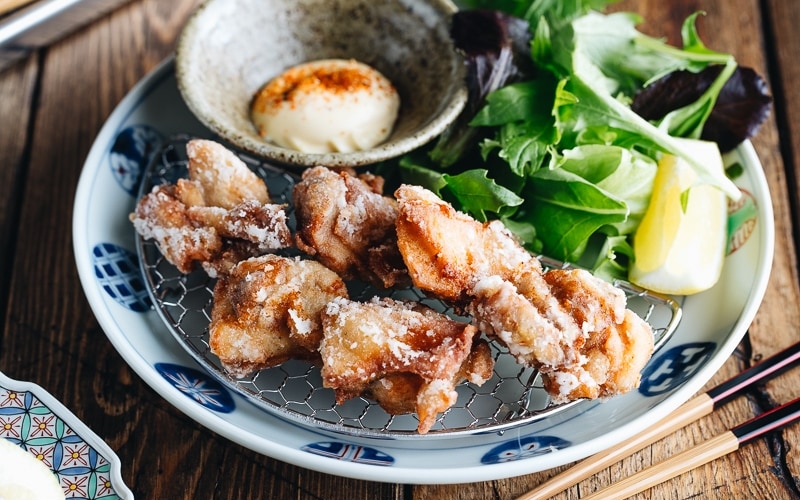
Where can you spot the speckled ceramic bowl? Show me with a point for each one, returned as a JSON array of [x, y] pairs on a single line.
[[230, 48]]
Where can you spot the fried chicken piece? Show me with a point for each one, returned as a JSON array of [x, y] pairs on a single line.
[[399, 393], [614, 355], [263, 225], [348, 226], [579, 336], [223, 177], [162, 217], [405, 354], [219, 216], [446, 251], [224, 194], [572, 327], [267, 311]]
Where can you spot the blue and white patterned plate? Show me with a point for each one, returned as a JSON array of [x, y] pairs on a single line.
[[712, 326], [84, 464]]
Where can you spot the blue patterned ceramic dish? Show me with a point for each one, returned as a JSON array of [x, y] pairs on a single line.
[[84, 464], [105, 249]]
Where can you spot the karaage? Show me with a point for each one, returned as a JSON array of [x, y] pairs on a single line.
[[219, 216], [404, 354], [447, 251], [267, 310], [571, 326], [349, 226]]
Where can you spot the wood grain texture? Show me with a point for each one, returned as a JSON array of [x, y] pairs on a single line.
[[17, 88], [52, 107]]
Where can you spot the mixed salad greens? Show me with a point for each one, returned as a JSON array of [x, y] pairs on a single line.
[[569, 111]]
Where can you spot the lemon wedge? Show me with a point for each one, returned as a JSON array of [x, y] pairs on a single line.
[[24, 477], [680, 250]]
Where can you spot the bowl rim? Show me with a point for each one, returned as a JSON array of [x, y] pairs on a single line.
[[392, 148]]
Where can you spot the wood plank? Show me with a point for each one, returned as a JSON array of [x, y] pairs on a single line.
[[17, 86], [784, 51]]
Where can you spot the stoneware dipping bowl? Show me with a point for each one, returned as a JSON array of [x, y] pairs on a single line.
[[230, 48]]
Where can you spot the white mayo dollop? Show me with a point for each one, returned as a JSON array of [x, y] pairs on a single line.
[[327, 106]]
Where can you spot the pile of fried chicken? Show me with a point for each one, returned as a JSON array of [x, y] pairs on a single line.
[[573, 328]]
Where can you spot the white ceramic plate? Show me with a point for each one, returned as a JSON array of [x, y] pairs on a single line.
[[104, 240], [85, 466]]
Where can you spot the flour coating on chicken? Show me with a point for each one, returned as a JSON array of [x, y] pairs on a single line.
[[267, 310], [402, 353], [220, 215], [347, 224], [572, 327]]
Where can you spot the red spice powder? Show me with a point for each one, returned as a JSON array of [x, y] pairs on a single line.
[[332, 78]]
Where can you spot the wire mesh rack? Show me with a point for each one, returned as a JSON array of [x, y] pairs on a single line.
[[514, 396]]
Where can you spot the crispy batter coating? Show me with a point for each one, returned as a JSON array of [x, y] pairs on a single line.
[[263, 225], [399, 393], [578, 333], [161, 216], [267, 310], [348, 226], [218, 217], [404, 354], [224, 179], [572, 327], [446, 251]]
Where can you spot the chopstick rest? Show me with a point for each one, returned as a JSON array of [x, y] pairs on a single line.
[[689, 412], [729, 441]]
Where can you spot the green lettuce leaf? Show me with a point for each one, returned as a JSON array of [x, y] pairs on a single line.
[[566, 210], [561, 158], [622, 173], [479, 194]]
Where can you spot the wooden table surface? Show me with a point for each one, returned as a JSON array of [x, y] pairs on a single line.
[[52, 105]]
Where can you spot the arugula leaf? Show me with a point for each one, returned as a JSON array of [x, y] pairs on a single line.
[[597, 107], [590, 84], [413, 172], [525, 231], [693, 43], [472, 190], [609, 42], [491, 43], [477, 193], [523, 111], [613, 258], [529, 100], [623, 173], [525, 146]]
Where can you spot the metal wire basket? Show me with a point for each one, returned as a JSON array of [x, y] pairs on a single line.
[[514, 396]]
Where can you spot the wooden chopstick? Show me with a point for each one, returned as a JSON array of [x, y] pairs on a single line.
[[692, 410], [9, 5], [725, 443]]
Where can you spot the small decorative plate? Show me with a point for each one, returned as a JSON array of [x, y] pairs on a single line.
[[712, 325], [86, 467]]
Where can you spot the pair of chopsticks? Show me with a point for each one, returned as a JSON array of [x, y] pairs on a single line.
[[692, 410]]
